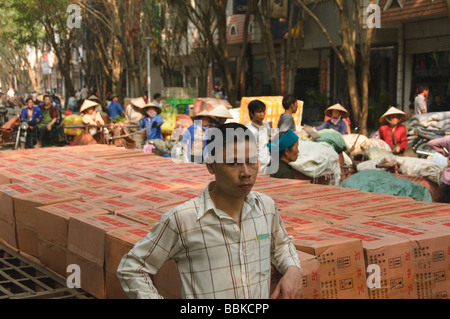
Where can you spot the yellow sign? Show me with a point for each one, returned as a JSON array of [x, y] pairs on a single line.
[[274, 109]]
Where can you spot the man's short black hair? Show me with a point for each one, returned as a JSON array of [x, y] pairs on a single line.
[[156, 95], [424, 87], [228, 133], [46, 95], [288, 100], [29, 98], [255, 106]]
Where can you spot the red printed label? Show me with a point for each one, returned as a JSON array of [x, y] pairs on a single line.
[[348, 234], [394, 228]]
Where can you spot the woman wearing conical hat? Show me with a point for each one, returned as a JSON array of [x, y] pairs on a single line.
[[336, 113], [392, 131]]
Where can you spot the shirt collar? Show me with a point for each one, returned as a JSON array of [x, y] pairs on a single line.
[[206, 204]]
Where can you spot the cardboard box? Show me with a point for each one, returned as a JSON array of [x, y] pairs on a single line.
[[309, 216], [419, 215], [7, 215], [53, 226], [311, 276], [396, 208], [429, 254], [25, 207], [166, 199], [341, 260], [87, 193], [141, 214], [91, 258], [114, 204], [390, 253], [364, 201], [314, 192]]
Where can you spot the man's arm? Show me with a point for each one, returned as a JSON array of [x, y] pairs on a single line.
[[285, 259], [145, 259], [438, 145]]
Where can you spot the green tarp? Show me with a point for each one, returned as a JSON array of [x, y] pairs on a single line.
[[379, 181]]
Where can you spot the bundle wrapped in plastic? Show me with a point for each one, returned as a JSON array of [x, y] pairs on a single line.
[[317, 159], [354, 142], [375, 147], [72, 120], [408, 165]]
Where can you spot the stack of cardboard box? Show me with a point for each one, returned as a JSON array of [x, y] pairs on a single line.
[[89, 205]]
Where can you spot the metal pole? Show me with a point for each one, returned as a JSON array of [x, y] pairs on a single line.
[[148, 73]]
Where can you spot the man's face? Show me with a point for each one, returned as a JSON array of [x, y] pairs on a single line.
[[237, 174], [47, 101], [292, 153], [294, 107], [425, 93], [30, 104], [259, 116]]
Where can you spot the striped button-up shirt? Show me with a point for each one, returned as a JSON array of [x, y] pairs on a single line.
[[216, 258]]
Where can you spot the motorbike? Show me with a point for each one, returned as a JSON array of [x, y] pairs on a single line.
[[423, 136], [25, 135], [3, 114]]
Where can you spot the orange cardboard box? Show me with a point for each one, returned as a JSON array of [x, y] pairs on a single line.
[[429, 254], [360, 201], [141, 214], [419, 215], [88, 193], [311, 276], [342, 265], [7, 215], [25, 207], [53, 226], [165, 199], [114, 204], [119, 243], [390, 253], [396, 208], [310, 216], [314, 192], [91, 258]]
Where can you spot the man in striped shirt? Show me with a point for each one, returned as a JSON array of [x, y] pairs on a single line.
[[223, 241]]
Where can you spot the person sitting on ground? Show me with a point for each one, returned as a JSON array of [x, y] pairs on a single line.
[[223, 241], [152, 121], [49, 117], [285, 151], [195, 137], [336, 114], [392, 131]]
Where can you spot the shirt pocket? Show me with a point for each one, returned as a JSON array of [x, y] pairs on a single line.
[[263, 248]]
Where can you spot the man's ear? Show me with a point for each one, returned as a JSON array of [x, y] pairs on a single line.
[[210, 168]]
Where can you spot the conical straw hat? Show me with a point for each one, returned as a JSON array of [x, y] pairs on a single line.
[[338, 107], [203, 113], [393, 110], [221, 111], [87, 104], [138, 102]]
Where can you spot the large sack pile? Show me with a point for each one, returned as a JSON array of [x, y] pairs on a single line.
[[433, 121]]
